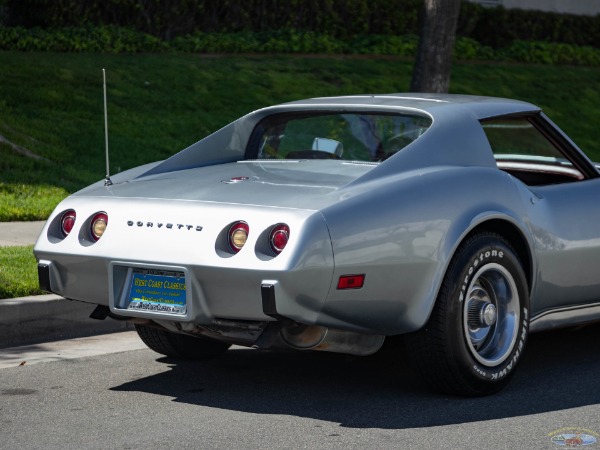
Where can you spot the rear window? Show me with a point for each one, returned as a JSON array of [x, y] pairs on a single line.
[[348, 136]]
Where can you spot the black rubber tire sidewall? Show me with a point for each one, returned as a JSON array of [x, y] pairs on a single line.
[[481, 250], [181, 346]]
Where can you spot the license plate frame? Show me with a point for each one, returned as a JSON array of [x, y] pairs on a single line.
[[157, 291]]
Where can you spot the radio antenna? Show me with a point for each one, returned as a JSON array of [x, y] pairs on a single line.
[[107, 180]]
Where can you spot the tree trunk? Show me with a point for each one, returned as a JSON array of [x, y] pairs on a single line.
[[434, 55]]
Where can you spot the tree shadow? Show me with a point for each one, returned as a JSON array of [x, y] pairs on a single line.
[[557, 372]]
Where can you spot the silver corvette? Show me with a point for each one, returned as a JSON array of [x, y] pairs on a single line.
[[330, 224]]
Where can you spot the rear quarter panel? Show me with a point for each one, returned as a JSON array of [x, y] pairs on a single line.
[[401, 232]]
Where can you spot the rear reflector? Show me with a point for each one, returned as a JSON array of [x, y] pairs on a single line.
[[351, 281]]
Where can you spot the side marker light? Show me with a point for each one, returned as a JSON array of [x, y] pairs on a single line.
[[351, 281]]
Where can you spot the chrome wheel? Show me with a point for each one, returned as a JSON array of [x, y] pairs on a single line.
[[491, 315]]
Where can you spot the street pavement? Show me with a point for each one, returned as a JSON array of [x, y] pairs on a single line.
[[70, 349], [43, 318]]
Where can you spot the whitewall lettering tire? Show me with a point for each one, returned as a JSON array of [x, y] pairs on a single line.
[[478, 328]]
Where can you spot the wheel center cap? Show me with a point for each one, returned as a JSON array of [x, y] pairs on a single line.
[[489, 314]]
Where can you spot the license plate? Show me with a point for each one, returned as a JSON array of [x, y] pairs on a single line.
[[159, 291]]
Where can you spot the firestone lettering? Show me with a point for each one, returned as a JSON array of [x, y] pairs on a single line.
[[480, 258], [515, 358], [479, 371]]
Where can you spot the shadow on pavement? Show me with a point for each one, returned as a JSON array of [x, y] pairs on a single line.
[[559, 371]]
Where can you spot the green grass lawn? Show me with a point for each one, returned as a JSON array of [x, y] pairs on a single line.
[[18, 272], [51, 106], [158, 104]]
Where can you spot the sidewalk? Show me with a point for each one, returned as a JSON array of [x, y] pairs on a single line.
[[19, 233], [43, 318]]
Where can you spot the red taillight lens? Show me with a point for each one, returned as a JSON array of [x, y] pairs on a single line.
[[98, 225], [67, 222], [351, 281], [238, 235], [279, 237]]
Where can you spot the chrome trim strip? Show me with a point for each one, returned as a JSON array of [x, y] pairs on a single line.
[[564, 317]]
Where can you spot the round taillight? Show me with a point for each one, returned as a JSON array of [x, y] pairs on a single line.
[[279, 237], [67, 222], [98, 225], [238, 235]]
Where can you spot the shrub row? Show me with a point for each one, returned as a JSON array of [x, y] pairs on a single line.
[[79, 39], [343, 19], [169, 19], [499, 27], [122, 40]]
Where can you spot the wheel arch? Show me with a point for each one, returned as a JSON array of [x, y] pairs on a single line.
[[504, 226], [515, 237]]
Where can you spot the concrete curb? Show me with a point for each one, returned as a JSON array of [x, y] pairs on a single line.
[[43, 318]]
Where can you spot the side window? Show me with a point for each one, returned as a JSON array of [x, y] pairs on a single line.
[[525, 152]]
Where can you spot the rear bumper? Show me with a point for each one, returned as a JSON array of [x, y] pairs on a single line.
[[44, 276], [211, 293]]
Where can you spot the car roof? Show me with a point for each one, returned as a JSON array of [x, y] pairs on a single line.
[[479, 106], [455, 123]]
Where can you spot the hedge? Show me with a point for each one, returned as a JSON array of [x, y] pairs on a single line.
[[123, 40], [494, 27]]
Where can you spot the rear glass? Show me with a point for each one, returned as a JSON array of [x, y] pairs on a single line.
[[348, 136]]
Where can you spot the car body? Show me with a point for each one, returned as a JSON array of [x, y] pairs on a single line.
[[461, 222]]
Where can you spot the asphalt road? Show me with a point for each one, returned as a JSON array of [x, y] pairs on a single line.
[[249, 399]]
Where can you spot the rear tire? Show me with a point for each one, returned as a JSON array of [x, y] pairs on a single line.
[[478, 327], [180, 345]]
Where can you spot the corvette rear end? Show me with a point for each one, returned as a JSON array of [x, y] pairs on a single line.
[[225, 268], [333, 223]]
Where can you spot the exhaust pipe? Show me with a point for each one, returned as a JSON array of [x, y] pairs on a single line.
[[312, 337]]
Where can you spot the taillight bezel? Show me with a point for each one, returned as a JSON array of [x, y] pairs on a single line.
[[97, 218], [239, 226], [69, 216], [279, 231]]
